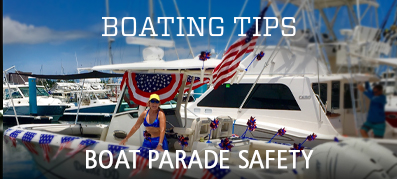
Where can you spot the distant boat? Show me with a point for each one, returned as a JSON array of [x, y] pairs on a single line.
[[48, 108]]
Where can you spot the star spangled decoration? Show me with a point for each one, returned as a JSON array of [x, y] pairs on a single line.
[[152, 82], [8, 130], [179, 172], [336, 139], [214, 124], [5, 135], [13, 137], [204, 55], [183, 141], [142, 85], [45, 140], [215, 172], [65, 143], [147, 135], [311, 137], [26, 140], [196, 83], [281, 132], [115, 150], [141, 161], [260, 56], [226, 144], [84, 144], [297, 147], [251, 124]]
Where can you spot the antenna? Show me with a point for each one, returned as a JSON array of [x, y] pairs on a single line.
[[77, 62], [63, 71], [110, 40]]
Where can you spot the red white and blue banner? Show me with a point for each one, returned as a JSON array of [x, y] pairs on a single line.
[[196, 83], [26, 140], [142, 85], [45, 140]]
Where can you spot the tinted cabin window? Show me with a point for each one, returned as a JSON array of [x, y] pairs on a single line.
[[263, 96], [347, 103], [335, 94], [271, 96], [226, 97], [323, 91], [126, 103]]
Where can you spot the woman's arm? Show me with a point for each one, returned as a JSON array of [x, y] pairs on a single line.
[[162, 130], [134, 128]]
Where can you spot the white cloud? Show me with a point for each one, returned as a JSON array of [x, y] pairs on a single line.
[[15, 32]]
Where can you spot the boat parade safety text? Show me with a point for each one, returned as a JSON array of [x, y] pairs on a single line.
[[180, 155], [271, 23]]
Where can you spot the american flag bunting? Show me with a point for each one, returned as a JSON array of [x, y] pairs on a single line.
[[65, 143], [179, 172], [215, 173], [81, 147], [142, 161], [45, 140], [26, 140], [196, 83], [115, 150]]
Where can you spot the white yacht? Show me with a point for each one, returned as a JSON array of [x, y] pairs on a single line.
[[48, 108], [283, 96], [96, 105], [353, 154]]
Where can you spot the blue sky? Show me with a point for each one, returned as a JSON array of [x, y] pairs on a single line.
[[47, 34]]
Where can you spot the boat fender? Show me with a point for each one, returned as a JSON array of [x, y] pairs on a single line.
[[342, 160]]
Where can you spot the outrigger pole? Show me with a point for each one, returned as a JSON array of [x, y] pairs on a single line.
[[270, 58], [81, 98], [9, 92]]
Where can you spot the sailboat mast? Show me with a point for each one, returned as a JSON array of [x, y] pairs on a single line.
[[109, 39], [151, 13]]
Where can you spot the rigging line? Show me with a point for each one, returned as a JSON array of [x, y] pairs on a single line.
[[209, 16], [169, 29], [235, 26], [385, 19], [184, 29], [315, 33]]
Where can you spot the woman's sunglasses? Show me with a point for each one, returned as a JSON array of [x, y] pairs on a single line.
[[154, 101]]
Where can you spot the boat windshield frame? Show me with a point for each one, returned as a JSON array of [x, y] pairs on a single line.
[[40, 91]]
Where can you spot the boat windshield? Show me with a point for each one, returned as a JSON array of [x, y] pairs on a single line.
[[15, 94], [40, 91]]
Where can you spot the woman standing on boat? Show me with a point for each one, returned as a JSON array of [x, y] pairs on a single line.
[[154, 121]]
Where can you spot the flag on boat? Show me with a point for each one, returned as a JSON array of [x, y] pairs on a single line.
[[82, 147], [115, 149], [196, 83], [26, 140], [65, 142], [179, 172], [215, 173], [141, 161], [13, 137], [142, 85], [231, 59], [45, 140]]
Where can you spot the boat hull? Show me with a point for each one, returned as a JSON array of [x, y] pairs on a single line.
[[90, 113], [45, 114]]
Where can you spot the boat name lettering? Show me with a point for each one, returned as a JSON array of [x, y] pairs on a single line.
[[110, 173], [305, 97]]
